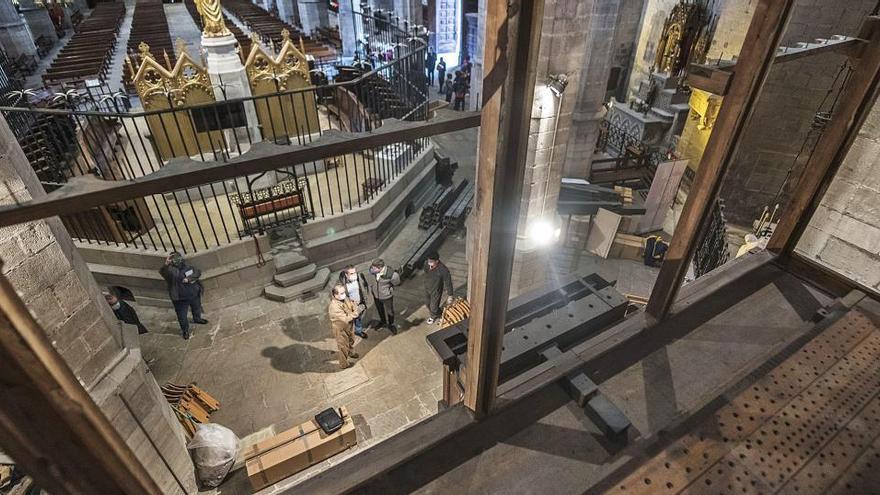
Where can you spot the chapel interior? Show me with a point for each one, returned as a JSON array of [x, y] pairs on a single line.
[[439, 246]]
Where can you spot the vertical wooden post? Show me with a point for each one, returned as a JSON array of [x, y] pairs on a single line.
[[752, 67], [513, 32], [48, 422], [857, 102]]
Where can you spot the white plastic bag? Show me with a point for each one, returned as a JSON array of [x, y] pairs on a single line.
[[214, 449]]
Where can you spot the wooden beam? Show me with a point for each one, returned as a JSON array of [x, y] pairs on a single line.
[[85, 192], [766, 29], [857, 102], [824, 277], [513, 35], [716, 78], [49, 423]]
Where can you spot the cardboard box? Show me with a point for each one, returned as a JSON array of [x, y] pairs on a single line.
[[625, 246], [291, 451]]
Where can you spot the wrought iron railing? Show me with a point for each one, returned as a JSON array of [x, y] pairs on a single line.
[[76, 133]]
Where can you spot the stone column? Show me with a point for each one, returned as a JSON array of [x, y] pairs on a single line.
[[408, 10], [564, 42], [42, 263], [15, 37], [313, 14], [38, 20], [229, 77], [589, 109], [477, 59], [347, 22], [287, 10]]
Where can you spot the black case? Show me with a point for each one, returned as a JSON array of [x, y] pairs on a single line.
[[329, 420]]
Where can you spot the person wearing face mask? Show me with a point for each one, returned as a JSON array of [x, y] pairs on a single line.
[[124, 312], [343, 312], [437, 279], [357, 289], [382, 281], [185, 290]]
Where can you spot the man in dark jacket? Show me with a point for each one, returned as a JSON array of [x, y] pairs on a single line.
[[437, 279], [430, 63], [185, 290], [441, 73], [124, 312], [382, 280]]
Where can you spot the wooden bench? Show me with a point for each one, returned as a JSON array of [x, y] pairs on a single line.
[[88, 52]]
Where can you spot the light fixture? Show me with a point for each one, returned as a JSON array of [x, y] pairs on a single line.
[[557, 84], [543, 232]]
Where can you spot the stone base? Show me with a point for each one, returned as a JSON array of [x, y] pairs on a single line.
[[230, 274], [360, 234], [16, 40], [131, 399], [40, 24]]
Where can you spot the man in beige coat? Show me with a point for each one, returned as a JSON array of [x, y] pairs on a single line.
[[343, 312]]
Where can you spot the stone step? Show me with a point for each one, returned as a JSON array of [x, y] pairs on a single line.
[[289, 261], [294, 277], [302, 290]]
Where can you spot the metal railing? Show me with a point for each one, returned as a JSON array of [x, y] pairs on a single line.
[[76, 133]]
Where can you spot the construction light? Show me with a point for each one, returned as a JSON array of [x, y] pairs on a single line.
[[557, 84], [543, 232]]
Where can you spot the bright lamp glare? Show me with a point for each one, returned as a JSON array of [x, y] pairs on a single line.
[[543, 232]]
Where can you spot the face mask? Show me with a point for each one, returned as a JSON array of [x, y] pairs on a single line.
[[352, 277], [116, 306], [432, 264], [340, 297]]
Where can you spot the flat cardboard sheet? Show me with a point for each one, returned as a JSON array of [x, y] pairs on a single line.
[[602, 232]]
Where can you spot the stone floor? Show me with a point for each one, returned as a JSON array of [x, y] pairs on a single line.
[[272, 365]]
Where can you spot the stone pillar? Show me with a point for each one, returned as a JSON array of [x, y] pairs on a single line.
[[313, 14], [38, 20], [589, 110], [287, 11], [347, 30], [564, 42], [229, 77], [408, 10], [477, 59], [15, 37], [42, 263]]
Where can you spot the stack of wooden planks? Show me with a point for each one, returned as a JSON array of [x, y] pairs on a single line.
[[191, 404], [456, 312]]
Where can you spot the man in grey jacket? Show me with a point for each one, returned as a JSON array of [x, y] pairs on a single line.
[[382, 280]]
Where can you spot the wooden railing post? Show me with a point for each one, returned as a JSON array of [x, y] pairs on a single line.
[[513, 31]]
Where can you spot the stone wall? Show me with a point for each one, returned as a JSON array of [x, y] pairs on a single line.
[[41, 262], [844, 234], [781, 122]]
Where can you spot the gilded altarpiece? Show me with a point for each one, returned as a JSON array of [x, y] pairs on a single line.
[[184, 85], [292, 110]]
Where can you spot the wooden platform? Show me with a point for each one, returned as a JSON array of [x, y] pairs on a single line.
[[811, 425]]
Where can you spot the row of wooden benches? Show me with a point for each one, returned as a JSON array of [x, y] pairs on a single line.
[[148, 25], [90, 49], [269, 26]]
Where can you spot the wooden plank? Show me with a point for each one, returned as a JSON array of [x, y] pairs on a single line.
[[49, 423], [664, 187], [513, 31], [768, 24], [833, 145], [82, 193]]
